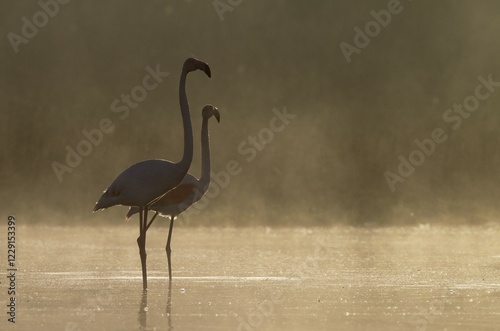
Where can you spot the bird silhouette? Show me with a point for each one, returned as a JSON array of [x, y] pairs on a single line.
[[189, 191], [145, 182]]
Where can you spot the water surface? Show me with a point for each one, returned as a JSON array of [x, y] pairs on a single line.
[[339, 278]]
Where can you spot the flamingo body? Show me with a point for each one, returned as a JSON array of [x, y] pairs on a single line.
[[128, 188], [176, 200]]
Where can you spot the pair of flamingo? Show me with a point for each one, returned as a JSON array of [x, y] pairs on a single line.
[[160, 185]]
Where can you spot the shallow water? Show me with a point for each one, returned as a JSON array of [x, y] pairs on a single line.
[[342, 278]]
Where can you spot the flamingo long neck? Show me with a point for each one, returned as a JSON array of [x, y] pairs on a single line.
[[187, 156], [205, 156]]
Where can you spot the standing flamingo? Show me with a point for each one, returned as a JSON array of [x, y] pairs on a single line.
[[189, 191], [144, 182]]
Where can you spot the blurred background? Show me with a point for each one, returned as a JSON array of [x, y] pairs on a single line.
[[353, 120]]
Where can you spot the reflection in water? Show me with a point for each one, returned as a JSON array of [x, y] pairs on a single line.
[[169, 305], [142, 316], [143, 311]]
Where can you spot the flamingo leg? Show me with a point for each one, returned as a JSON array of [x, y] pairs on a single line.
[[140, 229], [151, 222], [141, 242], [167, 248]]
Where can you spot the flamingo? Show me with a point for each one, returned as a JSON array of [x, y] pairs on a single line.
[[189, 191], [143, 183]]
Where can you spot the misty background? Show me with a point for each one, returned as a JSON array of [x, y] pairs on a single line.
[[327, 167]]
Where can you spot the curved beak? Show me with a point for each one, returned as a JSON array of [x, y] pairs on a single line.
[[206, 69], [217, 114]]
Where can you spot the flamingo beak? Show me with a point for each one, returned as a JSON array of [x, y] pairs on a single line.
[[217, 114], [206, 69]]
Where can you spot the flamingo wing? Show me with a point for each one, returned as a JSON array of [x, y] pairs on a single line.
[[176, 196]]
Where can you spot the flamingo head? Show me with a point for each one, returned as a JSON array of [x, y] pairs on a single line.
[[194, 64], [209, 111]]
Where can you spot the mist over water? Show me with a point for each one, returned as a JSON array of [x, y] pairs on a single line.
[[326, 166]]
